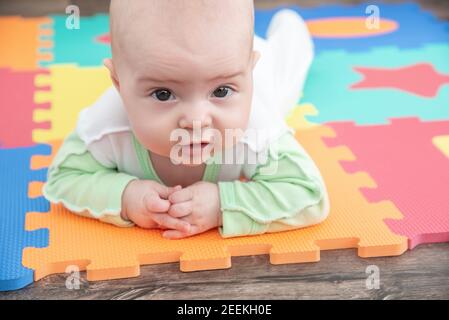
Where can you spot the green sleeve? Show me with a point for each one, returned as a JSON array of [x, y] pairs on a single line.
[[83, 185], [286, 192]]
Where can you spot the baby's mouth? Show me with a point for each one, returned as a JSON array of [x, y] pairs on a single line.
[[201, 145], [197, 152], [195, 148]]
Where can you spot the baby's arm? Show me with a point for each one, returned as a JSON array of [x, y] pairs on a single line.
[[290, 197], [83, 185], [87, 187]]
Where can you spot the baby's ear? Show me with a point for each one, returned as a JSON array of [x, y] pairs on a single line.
[[256, 56], [108, 64]]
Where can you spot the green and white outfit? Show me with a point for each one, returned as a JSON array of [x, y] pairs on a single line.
[[102, 155]]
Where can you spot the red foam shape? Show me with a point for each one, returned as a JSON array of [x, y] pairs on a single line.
[[16, 108], [104, 38], [420, 79], [408, 169]]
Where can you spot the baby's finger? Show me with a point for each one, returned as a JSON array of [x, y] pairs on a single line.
[[167, 221], [181, 195], [176, 188], [165, 191], [176, 234], [181, 209], [155, 204]]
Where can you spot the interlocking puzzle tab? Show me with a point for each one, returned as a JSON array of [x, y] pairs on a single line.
[[15, 176], [24, 41], [83, 46], [408, 169], [66, 82], [17, 107]]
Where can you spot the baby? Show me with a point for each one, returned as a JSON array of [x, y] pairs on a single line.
[[153, 151]]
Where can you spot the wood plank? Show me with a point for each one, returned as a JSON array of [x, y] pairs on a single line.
[[419, 274]]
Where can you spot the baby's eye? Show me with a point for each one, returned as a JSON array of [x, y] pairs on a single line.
[[162, 94], [222, 92]]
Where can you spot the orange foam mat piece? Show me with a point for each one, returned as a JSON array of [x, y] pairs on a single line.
[[21, 41], [109, 252]]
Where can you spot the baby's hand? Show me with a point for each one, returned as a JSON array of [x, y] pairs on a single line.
[[145, 203], [197, 204]]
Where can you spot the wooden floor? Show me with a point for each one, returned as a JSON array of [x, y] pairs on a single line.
[[419, 274]]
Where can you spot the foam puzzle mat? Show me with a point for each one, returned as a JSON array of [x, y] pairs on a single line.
[[374, 116]]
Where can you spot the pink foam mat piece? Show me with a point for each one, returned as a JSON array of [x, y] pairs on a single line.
[[17, 106], [409, 170]]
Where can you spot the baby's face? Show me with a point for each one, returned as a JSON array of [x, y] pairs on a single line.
[[185, 74]]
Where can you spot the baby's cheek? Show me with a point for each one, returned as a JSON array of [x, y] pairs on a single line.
[[233, 128], [159, 141], [236, 113], [238, 119], [150, 137]]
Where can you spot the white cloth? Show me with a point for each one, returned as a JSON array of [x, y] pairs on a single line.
[[279, 77]]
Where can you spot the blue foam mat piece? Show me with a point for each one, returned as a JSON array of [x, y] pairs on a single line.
[[417, 27], [15, 176]]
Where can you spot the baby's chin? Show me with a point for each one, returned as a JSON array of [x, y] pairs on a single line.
[[194, 160], [192, 165]]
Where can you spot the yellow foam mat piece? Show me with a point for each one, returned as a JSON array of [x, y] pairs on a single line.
[[68, 89], [296, 118], [109, 252], [442, 143], [21, 39]]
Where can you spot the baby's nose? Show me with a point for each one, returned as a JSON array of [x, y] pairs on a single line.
[[190, 121], [184, 124]]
